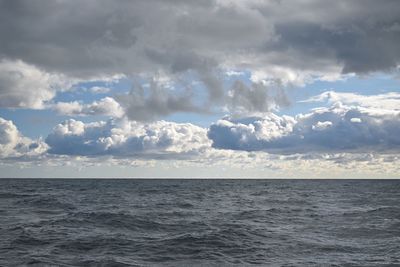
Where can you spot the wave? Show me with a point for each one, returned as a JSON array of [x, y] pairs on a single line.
[[207, 223]]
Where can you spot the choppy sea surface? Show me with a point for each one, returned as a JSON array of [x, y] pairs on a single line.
[[58, 222]]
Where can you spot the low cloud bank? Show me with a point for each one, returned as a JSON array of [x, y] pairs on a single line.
[[126, 138], [334, 129]]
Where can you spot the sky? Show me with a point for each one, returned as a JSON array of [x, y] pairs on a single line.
[[200, 89]]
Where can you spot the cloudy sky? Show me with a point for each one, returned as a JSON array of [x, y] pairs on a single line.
[[200, 88]]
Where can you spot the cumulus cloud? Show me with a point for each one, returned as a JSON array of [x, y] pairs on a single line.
[[388, 101], [318, 40], [106, 106], [14, 144], [78, 145], [334, 129], [47, 45], [126, 139], [250, 133], [25, 86]]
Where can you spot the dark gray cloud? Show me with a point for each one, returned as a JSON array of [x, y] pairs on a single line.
[[275, 39], [143, 104], [256, 97], [359, 35], [95, 38]]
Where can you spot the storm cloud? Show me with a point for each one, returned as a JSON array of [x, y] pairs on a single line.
[[288, 41], [102, 37]]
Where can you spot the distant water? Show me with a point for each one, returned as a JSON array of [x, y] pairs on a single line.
[[199, 222]]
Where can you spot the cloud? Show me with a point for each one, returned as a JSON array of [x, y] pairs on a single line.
[[255, 98], [319, 40], [335, 129], [117, 145], [99, 90], [128, 37], [338, 128], [127, 139], [250, 134], [106, 106], [25, 86], [387, 101], [162, 98], [13, 144], [143, 105]]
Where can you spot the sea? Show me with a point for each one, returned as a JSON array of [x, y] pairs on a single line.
[[205, 222]]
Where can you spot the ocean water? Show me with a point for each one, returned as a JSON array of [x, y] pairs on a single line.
[[54, 222]]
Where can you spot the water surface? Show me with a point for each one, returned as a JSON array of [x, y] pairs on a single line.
[[47, 222]]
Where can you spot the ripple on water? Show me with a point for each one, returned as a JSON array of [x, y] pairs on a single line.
[[203, 223]]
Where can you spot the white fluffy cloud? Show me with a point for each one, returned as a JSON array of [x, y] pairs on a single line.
[[13, 144], [339, 128], [250, 133], [25, 86], [124, 144], [127, 139], [106, 106], [335, 129], [387, 101]]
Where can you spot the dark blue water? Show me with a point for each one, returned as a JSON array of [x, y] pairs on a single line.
[[199, 222]]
